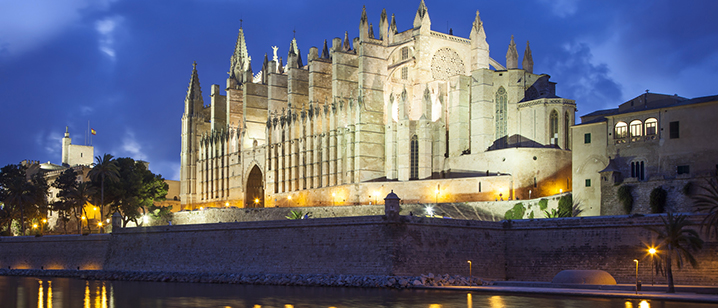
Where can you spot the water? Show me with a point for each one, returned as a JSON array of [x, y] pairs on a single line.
[[67, 292]]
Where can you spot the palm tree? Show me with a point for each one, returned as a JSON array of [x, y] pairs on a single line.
[[679, 242], [78, 197], [707, 201], [105, 168]]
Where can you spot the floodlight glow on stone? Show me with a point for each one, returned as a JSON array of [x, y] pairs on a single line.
[[429, 211]]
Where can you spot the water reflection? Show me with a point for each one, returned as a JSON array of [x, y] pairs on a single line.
[[496, 302], [65, 292]]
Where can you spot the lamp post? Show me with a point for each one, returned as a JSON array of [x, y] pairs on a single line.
[[469, 268], [635, 260], [652, 251]]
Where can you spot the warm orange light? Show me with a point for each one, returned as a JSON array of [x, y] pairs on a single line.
[[99, 224], [201, 208], [436, 191], [256, 200], [226, 204], [34, 226], [95, 208], [44, 221], [334, 194], [652, 251], [289, 197], [83, 217]]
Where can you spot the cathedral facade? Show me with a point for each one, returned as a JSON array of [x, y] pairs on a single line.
[[427, 114]]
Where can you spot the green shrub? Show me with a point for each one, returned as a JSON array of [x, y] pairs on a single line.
[[543, 204], [565, 206], [658, 200], [517, 212], [531, 215], [625, 197], [688, 188]]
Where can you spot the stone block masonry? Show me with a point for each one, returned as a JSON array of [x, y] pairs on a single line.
[[523, 250]]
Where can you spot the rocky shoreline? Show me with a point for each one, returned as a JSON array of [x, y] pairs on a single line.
[[315, 280]]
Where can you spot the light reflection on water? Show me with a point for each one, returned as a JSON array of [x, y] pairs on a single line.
[[65, 292]]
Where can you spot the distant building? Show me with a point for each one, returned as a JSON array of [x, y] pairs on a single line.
[[652, 140], [426, 113]]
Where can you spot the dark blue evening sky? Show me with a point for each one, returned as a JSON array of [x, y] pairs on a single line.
[[124, 65]]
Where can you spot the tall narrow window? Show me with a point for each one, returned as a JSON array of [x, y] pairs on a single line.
[[636, 128], [621, 130], [405, 73], [566, 125], [414, 158], [587, 138], [675, 128], [501, 117], [651, 125], [405, 53], [553, 127]]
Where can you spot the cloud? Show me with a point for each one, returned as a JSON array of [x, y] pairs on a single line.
[[28, 24], [582, 79], [562, 8], [131, 147], [51, 143], [106, 28]]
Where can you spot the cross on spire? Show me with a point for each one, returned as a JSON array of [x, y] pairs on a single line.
[[240, 23]]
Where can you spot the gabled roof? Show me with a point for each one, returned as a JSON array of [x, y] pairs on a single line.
[[643, 102]]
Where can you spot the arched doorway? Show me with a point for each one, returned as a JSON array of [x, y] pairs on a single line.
[[254, 194]]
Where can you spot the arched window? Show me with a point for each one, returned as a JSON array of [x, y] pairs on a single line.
[[566, 125], [621, 130], [414, 163], [501, 117], [636, 128], [553, 127], [651, 125]]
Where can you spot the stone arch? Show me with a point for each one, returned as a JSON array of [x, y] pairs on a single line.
[[254, 192]]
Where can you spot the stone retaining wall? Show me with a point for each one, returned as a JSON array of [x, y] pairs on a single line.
[[527, 250]]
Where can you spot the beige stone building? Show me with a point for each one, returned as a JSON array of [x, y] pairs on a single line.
[[427, 114], [652, 140]]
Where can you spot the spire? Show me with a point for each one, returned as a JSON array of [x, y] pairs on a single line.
[[280, 66], [325, 51], [512, 56], [346, 46], [240, 59], [294, 59], [392, 27], [528, 63], [479, 46], [265, 69], [422, 16], [194, 93], [383, 25], [363, 25], [371, 30]]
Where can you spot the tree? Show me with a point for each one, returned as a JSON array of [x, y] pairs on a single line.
[[65, 183], [105, 169], [679, 243], [135, 192], [23, 195], [78, 197], [707, 201]]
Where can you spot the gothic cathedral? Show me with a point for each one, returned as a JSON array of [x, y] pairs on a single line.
[[426, 114]]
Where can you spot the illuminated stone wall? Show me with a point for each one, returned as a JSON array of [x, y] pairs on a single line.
[[87, 252], [523, 250]]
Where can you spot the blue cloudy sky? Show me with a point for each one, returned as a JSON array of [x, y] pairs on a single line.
[[124, 65]]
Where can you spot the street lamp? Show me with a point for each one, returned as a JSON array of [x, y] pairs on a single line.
[[469, 268], [652, 251], [333, 197], [635, 260]]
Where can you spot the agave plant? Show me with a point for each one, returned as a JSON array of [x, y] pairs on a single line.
[[298, 215]]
